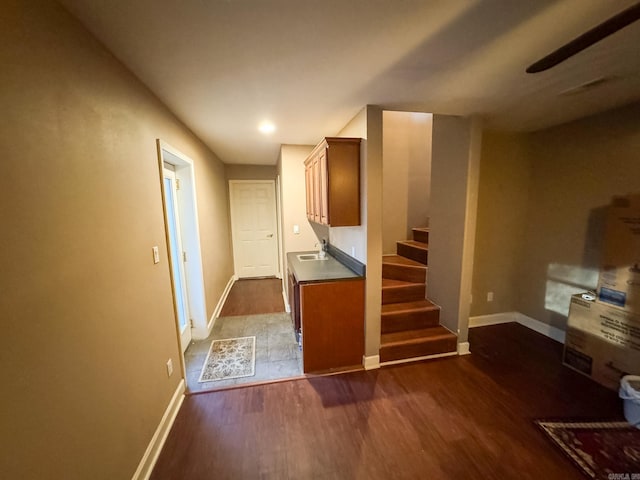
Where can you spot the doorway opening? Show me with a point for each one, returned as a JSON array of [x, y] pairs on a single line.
[[254, 307], [177, 255], [177, 183]]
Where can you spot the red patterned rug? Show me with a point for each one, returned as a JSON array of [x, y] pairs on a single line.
[[607, 450]]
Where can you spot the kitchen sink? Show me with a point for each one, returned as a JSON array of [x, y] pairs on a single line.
[[307, 257]]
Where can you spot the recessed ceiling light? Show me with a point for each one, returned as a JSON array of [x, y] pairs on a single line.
[[267, 127]]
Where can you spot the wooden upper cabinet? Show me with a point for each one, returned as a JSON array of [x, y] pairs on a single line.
[[308, 181], [332, 180], [317, 193], [323, 187]]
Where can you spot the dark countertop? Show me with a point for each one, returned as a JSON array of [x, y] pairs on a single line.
[[318, 270]]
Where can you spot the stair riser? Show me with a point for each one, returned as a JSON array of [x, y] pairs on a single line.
[[397, 322], [413, 253], [408, 293], [404, 272], [421, 349], [421, 236]]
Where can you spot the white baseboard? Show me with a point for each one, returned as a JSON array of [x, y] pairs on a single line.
[[223, 298], [536, 325], [494, 319], [370, 363], [150, 457], [287, 307], [543, 328], [417, 359], [463, 348]]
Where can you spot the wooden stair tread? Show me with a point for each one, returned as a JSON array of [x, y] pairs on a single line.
[[400, 260], [392, 283], [414, 244], [408, 306], [421, 229], [415, 336]]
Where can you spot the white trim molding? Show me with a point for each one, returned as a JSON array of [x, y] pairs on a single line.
[[189, 232], [417, 359], [287, 307], [463, 348], [540, 327], [494, 319], [371, 363], [536, 325], [218, 309], [150, 457]]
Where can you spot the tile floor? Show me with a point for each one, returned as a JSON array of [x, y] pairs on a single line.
[[277, 353]]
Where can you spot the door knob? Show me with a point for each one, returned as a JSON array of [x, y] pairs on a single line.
[[270, 235]]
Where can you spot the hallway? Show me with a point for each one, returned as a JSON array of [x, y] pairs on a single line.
[[253, 308]]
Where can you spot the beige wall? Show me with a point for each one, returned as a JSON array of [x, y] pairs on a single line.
[[89, 322], [543, 198], [250, 172], [577, 168], [294, 204], [353, 240], [294, 207], [454, 183], [366, 239], [373, 184], [406, 153], [505, 174]]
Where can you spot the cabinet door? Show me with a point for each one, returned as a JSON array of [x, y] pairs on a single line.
[[332, 180], [317, 195], [308, 180], [324, 187], [294, 303], [332, 317]]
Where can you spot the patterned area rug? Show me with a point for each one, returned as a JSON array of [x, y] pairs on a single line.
[[230, 358], [608, 450]]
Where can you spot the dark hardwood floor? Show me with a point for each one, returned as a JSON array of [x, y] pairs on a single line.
[[467, 417], [253, 297]]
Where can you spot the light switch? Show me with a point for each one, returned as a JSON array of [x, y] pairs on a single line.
[[156, 254], [296, 229]]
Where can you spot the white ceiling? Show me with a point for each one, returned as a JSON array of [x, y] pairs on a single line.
[[224, 66]]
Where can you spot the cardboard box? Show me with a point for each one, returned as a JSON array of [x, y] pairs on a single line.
[[602, 342], [619, 280]]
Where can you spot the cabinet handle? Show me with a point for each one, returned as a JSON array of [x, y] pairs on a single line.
[[270, 235]]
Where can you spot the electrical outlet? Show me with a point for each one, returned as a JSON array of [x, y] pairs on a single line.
[[156, 255], [169, 367], [490, 297], [296, 229], [353, 251]]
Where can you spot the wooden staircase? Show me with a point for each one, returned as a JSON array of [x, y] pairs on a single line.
[[410, 323]]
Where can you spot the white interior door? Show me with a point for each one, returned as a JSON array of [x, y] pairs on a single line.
[[254, 228], [176, 255]]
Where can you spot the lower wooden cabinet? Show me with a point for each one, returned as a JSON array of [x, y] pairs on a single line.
[[332, 321], [294, 303]]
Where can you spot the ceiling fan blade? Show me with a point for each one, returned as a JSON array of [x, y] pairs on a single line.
[[606, 28]]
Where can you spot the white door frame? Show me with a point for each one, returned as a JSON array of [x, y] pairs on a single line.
[[178, 277], [190, 234], [278, 272], [282, 276]]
